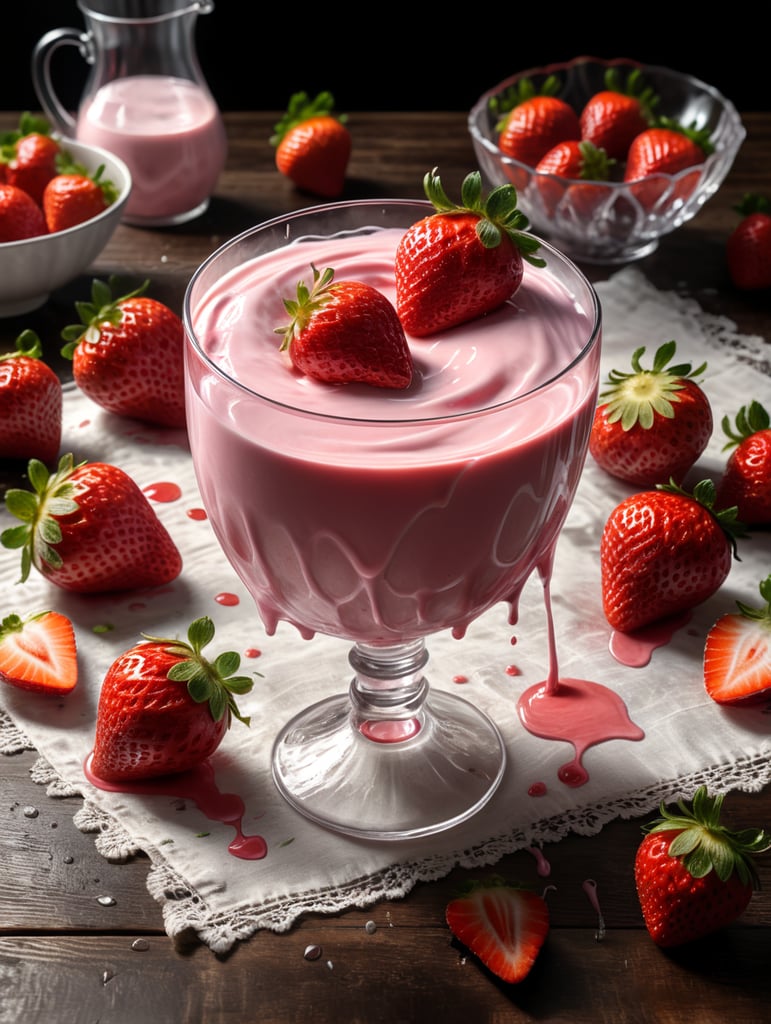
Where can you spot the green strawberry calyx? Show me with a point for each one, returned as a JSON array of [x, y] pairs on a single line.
[[307, 302], [208, 682], [704, 493], [302, 108], [633, 399], [66, 165], [635, 87], [27, 344], [700, 136], [501, 106], [763, 613], [704, 845], [103, 308], [750, 419], [752, 202], [497, 212], [38, 509]]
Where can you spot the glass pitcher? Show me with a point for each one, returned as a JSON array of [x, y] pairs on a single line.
[[145, 100]]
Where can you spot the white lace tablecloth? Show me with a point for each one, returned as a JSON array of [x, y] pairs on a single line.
[[688, 739]]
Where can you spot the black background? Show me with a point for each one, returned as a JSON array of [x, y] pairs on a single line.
[[427, 57]]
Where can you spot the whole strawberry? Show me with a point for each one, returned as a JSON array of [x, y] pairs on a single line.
[[30, 403], [313, 145], [612, 117], [651, 424], [737, 653], [748, 249], [164, 708], [343, 332], [20, 216], [463, 260], [74, 196], [576, 161], [30, 155], [89, 529], [746, 479], [128, 355], [663, 552], [531, 122], [667, 148], [693, 875]]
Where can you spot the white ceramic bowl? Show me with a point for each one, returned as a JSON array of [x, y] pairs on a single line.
[[618, 228], [34, 267]]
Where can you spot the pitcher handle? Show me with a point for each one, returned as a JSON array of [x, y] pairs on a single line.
[[59, 117]]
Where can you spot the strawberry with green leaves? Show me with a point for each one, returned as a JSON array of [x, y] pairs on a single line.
[[461, 261], [39, 653], [89, 529], [746, 479], [577, 161], [667, 148], [345, 332], [30, 403], [20, 216], [504, 926], [737, 653], [532, 121], [313, 145], [663, 552], [127, 355], [693, 875], [30, 156], [164, 707], [651, 425], [748, 249], [74, 196], [612, 117]]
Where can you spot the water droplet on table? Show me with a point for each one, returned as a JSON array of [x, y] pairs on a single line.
[[106, 901], [30, 812], [312, 952]]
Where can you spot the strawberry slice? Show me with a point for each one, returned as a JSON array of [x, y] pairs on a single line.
[[503, 925], [38, 653], [737, 654]]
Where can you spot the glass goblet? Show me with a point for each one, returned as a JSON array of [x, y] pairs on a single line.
[[384, 516]]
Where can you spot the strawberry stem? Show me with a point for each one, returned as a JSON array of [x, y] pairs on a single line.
[[213, 682], [705, 845], [497, 212]]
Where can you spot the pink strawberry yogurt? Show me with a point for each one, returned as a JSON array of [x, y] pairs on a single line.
[[170, 134], [383, 516]]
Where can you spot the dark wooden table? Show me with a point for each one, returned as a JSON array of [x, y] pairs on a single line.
[[65, 958]]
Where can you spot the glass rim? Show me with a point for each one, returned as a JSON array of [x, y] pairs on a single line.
[[423, 206]]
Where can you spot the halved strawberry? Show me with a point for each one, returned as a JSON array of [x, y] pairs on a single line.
[[38, 653], [342, 332], [463, 260], [737, 654], [503, 925]]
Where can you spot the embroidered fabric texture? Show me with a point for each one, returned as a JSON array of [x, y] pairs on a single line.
[[689, 741]]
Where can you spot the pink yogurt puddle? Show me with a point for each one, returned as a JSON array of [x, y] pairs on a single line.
[[200, 786], [635, 649], [390, 731], [576, 711]]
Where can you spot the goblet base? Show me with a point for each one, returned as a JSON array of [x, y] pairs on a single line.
[[401, 772]]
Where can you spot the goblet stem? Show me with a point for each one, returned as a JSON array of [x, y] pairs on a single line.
[[392, 758]]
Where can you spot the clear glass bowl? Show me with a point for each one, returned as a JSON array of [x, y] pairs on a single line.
[[614, 226]]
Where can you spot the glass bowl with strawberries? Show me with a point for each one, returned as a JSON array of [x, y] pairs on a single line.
[[607, 156], [60, 203]]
